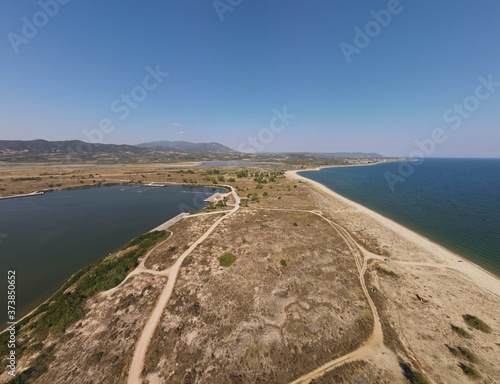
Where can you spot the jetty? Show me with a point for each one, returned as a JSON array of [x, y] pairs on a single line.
[[36, 193]]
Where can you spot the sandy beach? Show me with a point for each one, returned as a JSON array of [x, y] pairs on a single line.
[[481, 277]]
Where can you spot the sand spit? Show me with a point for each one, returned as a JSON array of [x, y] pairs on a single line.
[[478, 275]]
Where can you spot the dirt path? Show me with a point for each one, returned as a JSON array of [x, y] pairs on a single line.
[[136, 367], [375, 342]]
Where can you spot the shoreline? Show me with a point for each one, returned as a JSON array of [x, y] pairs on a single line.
[[480, 276], [347, 165], [36, 193]]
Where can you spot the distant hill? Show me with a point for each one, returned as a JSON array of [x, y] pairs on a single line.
[[185, 146], [78, 151], [43, 146]]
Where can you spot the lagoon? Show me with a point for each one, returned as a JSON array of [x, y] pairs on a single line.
[[47, 238]]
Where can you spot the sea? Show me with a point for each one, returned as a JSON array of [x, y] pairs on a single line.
[[453, 202], [47, 238]]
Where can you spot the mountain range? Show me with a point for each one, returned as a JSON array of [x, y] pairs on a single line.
[[156, 151]]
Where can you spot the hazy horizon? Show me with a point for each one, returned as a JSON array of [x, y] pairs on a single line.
[[392, 77]]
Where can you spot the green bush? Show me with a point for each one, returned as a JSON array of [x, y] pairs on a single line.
[[413, 377], [467, 354], [462, 352], [460, 331], [283, 262], [227, 259], [476, 323], [241, 174], [386, 272], [469, 371]]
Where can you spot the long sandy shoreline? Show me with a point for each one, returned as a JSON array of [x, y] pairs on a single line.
[[478, 275]]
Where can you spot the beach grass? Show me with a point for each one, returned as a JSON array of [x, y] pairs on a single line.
[[461, 332], [469, 371], [477, 323]]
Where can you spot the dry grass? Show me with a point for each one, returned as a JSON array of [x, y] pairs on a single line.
[[258, 320]]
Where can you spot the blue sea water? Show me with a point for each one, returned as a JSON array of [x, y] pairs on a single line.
[[453, 202]]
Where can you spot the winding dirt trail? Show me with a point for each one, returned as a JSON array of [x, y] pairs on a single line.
[[136, 367], [375, 342]]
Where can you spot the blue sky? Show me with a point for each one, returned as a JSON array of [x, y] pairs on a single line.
[[230, 66]]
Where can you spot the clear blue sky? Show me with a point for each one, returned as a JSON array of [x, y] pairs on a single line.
[[226, 76]]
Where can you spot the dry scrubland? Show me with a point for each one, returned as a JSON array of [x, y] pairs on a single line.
[[258, 320], [290, 302]]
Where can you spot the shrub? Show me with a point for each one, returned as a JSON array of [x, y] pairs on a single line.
[[467, 354], [242, 174], [265, 194], [460, 331], [386, 272], [469, 371], [462, 352], [283, 262], [476, 323], [221, 204], [413, 377], [227, 259]]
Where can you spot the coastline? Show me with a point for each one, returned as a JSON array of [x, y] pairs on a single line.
[[346, 165], [480, 276]]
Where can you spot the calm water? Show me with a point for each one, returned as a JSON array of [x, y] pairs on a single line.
[[453, 202], [47, 238]]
